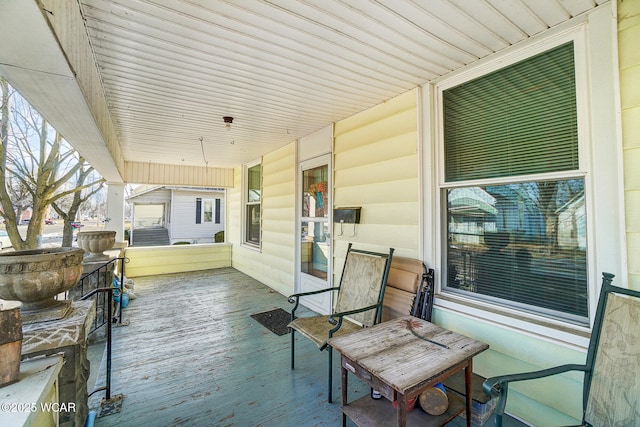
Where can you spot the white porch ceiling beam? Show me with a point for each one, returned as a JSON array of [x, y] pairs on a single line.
[[33, 62]]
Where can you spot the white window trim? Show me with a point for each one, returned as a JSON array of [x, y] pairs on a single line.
[[245, 188], [213, 210], [595, 39]]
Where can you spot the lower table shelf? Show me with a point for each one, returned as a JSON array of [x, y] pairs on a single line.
[[370, 412]]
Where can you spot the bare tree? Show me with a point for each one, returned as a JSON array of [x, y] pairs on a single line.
[[67, 207], [38, 163]]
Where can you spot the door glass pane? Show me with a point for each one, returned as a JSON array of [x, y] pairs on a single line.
[[315, 192], [314, 249], [522, 242]]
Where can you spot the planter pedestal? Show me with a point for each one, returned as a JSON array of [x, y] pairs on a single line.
[[46, 313], [66, 336], [10, 342]]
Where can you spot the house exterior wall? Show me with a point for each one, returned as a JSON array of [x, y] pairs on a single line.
[[629, 57], [153, 197], [376, 167], [183, 225], [521, 345], [154, 260], [274, 263]]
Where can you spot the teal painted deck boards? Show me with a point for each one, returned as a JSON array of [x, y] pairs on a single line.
[[193, 356]]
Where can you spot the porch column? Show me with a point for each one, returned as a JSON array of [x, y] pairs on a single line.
[[115, 210]]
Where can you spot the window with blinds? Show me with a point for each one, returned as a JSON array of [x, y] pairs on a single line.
[[253, 188], [517, 242], [519, 120]]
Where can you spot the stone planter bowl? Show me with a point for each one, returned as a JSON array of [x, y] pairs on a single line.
[[36, 276], [94, 243]]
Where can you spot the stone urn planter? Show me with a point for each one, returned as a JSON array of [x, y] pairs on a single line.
[[34, 277], [94, 243]]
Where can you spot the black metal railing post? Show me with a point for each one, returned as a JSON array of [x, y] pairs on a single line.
[[105, 292], [109, 326]]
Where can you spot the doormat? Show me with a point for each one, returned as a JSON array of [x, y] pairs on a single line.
[[275, 320]]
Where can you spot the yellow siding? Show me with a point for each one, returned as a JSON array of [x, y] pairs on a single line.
[[509, 353], [149, 261], [376, 167], [629, 57], [274, 264], [154, 173]]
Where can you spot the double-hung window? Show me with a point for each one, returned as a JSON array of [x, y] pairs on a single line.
[[513, 191], [252, 199], [207, 211]]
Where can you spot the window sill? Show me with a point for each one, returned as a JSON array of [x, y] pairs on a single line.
[[251, 246], [562, 333]]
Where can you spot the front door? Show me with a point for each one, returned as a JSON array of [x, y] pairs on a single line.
[[314, 213]]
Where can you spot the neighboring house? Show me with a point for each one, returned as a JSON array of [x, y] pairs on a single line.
[[192, 215], [5, 242]]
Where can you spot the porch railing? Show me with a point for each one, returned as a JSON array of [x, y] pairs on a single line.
[[106, 313]]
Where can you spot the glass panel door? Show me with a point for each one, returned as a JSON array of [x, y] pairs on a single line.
[[314, 259], [314, 228]]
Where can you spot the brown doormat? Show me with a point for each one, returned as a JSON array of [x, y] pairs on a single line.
[[275, 320]]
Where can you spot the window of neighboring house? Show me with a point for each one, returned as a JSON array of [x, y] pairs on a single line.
[[207, 210], [252, 197], [513, 189]]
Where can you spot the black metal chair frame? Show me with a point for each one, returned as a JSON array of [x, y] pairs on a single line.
[[337, 318], [499, 386]]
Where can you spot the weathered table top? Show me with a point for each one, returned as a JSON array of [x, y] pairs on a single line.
[[407, 351]]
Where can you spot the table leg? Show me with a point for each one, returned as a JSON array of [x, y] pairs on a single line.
[[468, 371], [344, 374], [402, 409]]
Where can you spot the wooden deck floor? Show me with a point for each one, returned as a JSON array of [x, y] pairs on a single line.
[[193, 356]]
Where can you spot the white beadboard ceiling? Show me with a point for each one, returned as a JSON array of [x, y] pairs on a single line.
[[171, 69]]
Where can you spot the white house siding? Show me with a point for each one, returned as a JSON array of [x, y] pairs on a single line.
[[183, 217], [376, 167], [273, 264], [153, 197]]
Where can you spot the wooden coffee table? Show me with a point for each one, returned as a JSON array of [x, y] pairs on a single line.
[[401, 358]]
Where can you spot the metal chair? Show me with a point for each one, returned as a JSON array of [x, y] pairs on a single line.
[[611, 388], [358, 304]]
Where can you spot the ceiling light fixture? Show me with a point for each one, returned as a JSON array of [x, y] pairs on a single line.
[[228, 120]]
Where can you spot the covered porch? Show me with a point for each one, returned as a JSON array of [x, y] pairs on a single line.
[[250, 95], [192, 355]]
